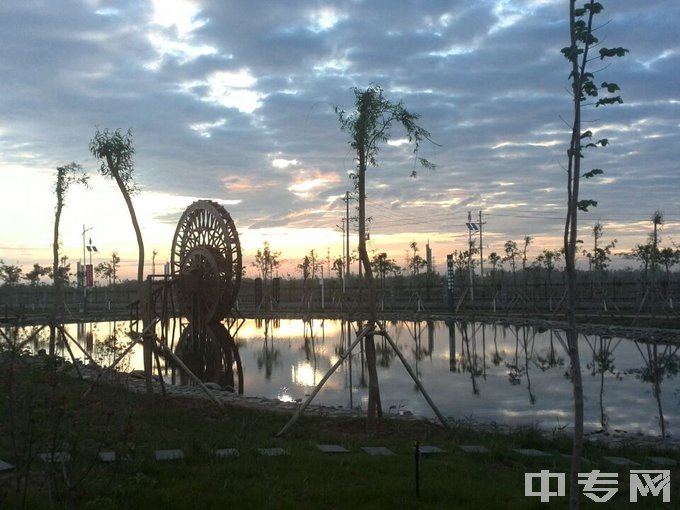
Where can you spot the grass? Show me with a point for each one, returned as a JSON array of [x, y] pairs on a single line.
[[43, 409]]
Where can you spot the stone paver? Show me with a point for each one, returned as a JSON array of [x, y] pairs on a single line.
[[171, 454], [5, 466], [332, 448], [377, 450], [473, 448], [663, 461], [620, 461], [272, 452], [225, 453], [567, 456], [429, 450], [49, 458], [531, 452], [107, 456]]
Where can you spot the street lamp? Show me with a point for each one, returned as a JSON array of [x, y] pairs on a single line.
[[86, 273], [472, 227], [476, 227], [322, 289], [91, 248], [84, 231], [90, 269]]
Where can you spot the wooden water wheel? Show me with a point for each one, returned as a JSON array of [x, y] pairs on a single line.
[[206, 261]]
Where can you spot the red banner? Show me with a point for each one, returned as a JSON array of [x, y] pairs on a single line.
[[89, 278]]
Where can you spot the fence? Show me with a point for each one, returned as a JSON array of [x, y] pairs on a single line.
[[394, 295]]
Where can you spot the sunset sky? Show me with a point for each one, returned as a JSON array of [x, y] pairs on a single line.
[[234, 101]]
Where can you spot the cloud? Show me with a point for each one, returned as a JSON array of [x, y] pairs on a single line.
[[237, 103]]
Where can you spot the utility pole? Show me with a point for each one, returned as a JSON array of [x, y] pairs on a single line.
[[475, 227], [82, 275], [347, 233], [471, 226], [481, 252]]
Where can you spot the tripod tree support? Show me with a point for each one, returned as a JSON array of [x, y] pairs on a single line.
[[360, 336]]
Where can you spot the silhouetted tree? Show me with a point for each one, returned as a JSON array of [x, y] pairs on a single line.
[[9, 274], [511, 254], [33, 276], [266, 261], [369, 125], [66, 176], [116, 153]]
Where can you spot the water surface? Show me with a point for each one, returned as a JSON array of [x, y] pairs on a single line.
[[484, 372]]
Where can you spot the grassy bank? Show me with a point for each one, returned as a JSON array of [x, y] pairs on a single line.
[[46, 409]]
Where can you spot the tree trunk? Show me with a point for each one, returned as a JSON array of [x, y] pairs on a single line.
[[141, 294], [570, 244], [374, 405], [56, 276]]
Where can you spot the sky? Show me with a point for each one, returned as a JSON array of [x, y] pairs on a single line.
[[234, 101]]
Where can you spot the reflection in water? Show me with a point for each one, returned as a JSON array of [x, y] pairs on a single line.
[[551, 358], [602, 363], [451, 326], [268, 356], [633, 385], [524, 346], [211, 354], [469, 361], [657, 367], [307, 372]]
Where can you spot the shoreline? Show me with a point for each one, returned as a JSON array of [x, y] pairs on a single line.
[[615, 439]]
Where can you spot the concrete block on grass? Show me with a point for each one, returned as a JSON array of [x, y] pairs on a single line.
[[272, 452], [473, 448], [376, 450], [531, 452], [107, 456], [5, 466], [172, 454], [663, 461], [429, 450], [226, 453], [56, 457], [332, 448], [621, 461]]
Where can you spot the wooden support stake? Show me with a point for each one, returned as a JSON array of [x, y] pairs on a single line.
[[415, 378], [87, 355], [191, 375], [73, 358], [306, 403]]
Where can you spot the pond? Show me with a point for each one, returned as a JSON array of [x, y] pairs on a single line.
[[488, 373]]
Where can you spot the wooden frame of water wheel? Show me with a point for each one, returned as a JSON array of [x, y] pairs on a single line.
[[206, 261]]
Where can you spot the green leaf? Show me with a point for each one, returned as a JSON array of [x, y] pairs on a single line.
[[596, 8], [593, 173], [611, 87], [612, 52], [609, 100], [586, 134], [583, 205], [590, 88]]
